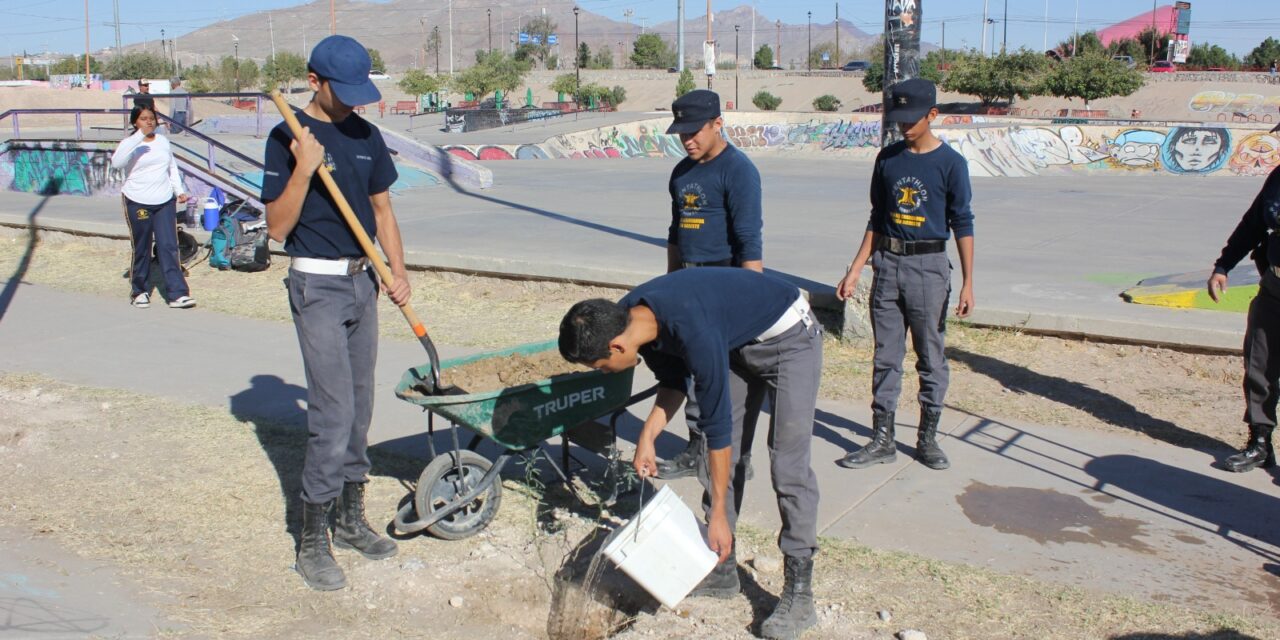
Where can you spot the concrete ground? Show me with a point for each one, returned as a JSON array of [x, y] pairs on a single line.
[[1106, 512], [1052, 252]]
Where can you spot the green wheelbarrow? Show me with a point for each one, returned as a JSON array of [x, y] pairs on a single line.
[[459, 491]]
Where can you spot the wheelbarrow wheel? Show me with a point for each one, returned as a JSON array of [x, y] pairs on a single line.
[[441, 484]]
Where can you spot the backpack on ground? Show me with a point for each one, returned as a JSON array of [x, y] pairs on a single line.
[[239, 241]]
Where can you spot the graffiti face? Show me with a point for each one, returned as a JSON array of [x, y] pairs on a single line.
[[1196, 149], [1041, 146], [1257, 155], [1136, 148]]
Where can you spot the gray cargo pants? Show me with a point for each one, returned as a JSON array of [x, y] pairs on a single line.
[[909, 293], [788, 368], [337, 322]]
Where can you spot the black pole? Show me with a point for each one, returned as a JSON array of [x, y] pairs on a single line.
[[737, 67], [809, 60], [435, 36], [489, 14], [901, 55], [237, 66], [577, 53], [1005, 43]]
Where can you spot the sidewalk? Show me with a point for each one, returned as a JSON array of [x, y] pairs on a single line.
[[1104, 512]]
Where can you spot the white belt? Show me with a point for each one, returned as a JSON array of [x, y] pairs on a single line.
[[323, 267], [796, 313]]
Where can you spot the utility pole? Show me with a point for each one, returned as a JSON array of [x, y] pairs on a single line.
[[737, 68], [838, 63], [423, 23], [901, 54], [271, 27], [777, 53], [680, 36], [1075, 30], [489, 14], [1046, 25], [237, 50], [944, 45], [986, 20], [86, 50], [333, 19], [709, 50], [753, 33], [451, 38], [116, 9], [435, 32], [808, 59], [1153, 32], [577, 55]]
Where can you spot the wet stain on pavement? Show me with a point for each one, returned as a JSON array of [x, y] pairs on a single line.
[[1045, 515], [1187, 538]]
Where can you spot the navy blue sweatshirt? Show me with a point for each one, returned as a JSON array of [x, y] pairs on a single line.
[[1262, 216], [920, 196], [716, 209], [703, 314]]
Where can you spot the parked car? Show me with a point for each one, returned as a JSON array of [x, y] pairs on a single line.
[[856, 65], [1127, 60], [1163, 66]]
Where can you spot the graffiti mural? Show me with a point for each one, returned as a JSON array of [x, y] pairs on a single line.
[[60, 168], [1227, 103], [1257, 155], [1196, 149], [824, 136], [1136, 148]]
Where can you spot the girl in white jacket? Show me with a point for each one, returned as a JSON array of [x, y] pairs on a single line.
[[151, 188]]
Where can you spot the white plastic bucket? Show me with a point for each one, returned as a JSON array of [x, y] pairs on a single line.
[[669, 555]]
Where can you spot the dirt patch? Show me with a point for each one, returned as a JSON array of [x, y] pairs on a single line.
[[493, 374]]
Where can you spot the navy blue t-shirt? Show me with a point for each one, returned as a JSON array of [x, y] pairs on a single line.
[[703, 314], [716, 209], [920, 196], [357, 157]]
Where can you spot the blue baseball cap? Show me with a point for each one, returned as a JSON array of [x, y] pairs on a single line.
[[911, 100], [345, 64], [693, 110]]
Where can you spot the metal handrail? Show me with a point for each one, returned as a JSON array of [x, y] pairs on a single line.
[[211, 143], [187, 97]]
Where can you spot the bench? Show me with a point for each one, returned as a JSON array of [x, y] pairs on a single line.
[[405, 106]]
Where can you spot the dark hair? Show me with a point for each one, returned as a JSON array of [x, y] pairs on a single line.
[[588, 327], [137, 113]]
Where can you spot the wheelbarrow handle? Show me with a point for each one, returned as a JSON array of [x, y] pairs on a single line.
[[357, 229]]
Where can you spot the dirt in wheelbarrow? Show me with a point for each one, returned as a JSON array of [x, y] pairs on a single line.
[[493, 374]]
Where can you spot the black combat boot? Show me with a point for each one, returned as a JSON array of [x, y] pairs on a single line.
[[722, 582], [880, 450], [352, 531], [686, 462], [927, 450], [315, 558], [794, 612], [1257, 451]]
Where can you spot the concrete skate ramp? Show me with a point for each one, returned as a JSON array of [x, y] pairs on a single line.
[[1007, 147]]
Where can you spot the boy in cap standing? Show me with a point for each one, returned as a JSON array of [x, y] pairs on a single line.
[[920, 195], [333, 294], [716, 221]]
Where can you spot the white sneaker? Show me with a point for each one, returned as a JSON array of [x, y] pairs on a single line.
[[183, 302], [141, 301]]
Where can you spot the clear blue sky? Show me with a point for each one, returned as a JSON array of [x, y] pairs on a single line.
[[1237, 25]]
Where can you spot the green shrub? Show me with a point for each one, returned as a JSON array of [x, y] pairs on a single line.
[[765, 101], [826, 103]]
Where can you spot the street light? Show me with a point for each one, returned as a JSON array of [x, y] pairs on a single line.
[[489, 14], [237, 50], [777, 54], [577, 53], [737, 67], [809, 60]]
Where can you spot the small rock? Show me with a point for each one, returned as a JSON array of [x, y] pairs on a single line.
[[885, 616], [456, 602], [413, 564], [767, 563], [912, 634]]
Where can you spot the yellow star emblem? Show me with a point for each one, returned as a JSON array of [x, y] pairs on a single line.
[[908, 196]]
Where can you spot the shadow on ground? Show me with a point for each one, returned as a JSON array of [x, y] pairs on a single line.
[[1099, 404]]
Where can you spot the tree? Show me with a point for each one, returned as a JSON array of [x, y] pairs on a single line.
[[1092, 77], [685, 83], [584, 55], [652, 52], [566, 83], [378, 66], [826, 102], [138, 64], [1161, 47], [930, 67], [617, 95], [75, 65], [497, 72], [997, 78], [1211, 55], [283, 70], [764, 57], [417, 82], [1264, 54], [540, 29], [603, 59], [815, 56], [765, 101], [1084, 43]]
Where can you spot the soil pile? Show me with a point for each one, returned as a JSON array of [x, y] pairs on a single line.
[[493, 374]]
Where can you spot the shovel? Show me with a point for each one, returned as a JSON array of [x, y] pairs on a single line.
[[436, 385]]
